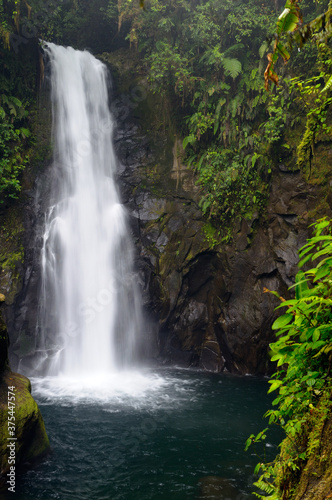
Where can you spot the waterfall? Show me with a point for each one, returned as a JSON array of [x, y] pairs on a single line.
[[89, 311]]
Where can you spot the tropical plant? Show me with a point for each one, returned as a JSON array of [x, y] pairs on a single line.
[[303, 353]]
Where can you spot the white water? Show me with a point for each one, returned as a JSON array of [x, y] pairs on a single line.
[[89, 312]]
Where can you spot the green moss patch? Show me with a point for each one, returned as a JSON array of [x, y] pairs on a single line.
[[32, 441]]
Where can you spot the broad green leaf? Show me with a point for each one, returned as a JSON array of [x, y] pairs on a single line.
[[290, 302], [288, 22], [282, 321], [283, 51], [190, 139], [16, 101], [275, 384], [316, 335], [301, 285], [322, 272]]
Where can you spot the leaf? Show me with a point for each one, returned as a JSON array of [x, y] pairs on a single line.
[[301, 285], [190, 139], [25, 132], [316, 335], [290, 22], [305, 260], [283, 52], [322, 272], [12, 109], [276, 294], [249, 441], [304, 250], [284, 13], [16, 101], [275, 384], [282, 321], [325, 251], [322, 225], [317, 239], [328, 84], [232, 67]]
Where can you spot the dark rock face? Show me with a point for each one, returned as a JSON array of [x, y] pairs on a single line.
[[208, 298], [204, 299]]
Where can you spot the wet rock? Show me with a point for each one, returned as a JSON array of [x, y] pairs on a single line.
[[31, 439], [218, 488]]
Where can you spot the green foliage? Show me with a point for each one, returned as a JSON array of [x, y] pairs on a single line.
[[168, 68], [13, 137], [230, 183], [290, 30], [16, 95], [303, 353], [316, 98], [201, 57]]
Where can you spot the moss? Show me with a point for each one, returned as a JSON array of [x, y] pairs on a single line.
[[211, 235], [32, 441], [308, 478]]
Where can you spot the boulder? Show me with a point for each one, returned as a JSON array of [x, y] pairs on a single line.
[[31, 439]]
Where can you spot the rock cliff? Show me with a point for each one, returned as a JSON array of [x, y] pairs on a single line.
[[204, 296]]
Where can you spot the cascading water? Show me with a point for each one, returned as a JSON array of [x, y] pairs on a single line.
[[89, 312]]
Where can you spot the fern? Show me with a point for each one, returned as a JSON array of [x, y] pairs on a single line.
[[232, 67], [233, 48], [328, 84]]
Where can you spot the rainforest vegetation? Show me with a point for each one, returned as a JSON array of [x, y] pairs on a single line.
[[206, 61], [219, 69]]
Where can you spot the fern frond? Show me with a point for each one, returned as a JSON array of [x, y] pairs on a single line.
[[232, 49], [328, 84], [232, 67]]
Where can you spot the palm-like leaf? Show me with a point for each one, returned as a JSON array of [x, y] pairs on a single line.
[[232, 67]]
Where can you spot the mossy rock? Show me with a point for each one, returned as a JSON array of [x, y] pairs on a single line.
[[32, 442], [312, 479]]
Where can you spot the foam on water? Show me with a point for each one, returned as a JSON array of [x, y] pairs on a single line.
[[116, 390]]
